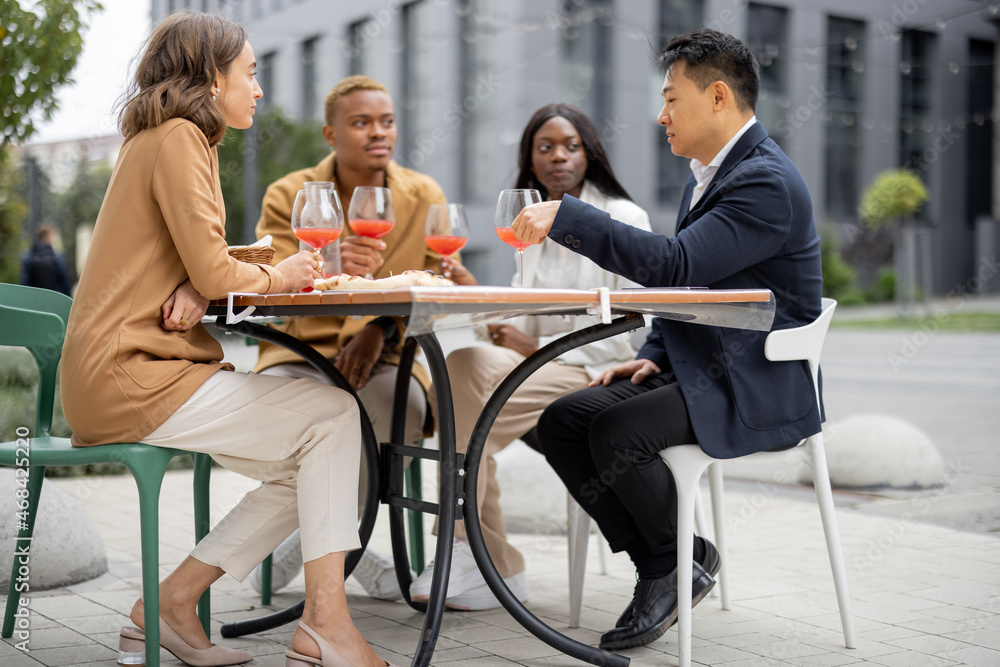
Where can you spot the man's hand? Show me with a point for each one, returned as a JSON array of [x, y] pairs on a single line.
[[360, 255], [453, 270], [513, 338], [184, 308], [357, 359], [299, 270], [535, 221], [639, 369]]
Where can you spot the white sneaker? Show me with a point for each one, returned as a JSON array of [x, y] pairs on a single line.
[[467, 589], [377, 575], [285, 564], [481, 597]]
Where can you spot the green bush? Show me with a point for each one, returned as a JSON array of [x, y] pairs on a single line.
[[884, 287], [896, 193], [838, 275]]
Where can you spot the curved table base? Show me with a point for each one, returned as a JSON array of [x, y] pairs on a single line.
[[473, 527]]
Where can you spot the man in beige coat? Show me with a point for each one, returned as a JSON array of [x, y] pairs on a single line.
[[361, 129]]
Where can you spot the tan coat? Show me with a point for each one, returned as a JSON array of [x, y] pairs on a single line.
[[412, 194], [162, 222]]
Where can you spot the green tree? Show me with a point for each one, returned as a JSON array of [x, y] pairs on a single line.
[[12, 212], [79, 205], [39, 48], [898, 194], [281, 145]]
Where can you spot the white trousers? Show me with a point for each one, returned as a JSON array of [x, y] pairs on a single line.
[[377, 396], [300, 438], [475, 372]]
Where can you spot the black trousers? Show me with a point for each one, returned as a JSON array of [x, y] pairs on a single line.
[[604, 442]]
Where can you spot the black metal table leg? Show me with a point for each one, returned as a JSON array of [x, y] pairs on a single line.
[[367, 523], [446, 510], [473, 527]]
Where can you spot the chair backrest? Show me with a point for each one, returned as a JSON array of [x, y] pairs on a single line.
[[36, 319], [802, 343]]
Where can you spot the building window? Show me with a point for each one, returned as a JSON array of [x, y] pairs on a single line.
[[358, 40], [916, 79], [308, 83], [844, 69], [416, 84], [265, 78], [470, 114], [586, 68], [677, 17], [979, 169], [767, 32]]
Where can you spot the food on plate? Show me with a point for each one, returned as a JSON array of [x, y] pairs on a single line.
[[411, 278]]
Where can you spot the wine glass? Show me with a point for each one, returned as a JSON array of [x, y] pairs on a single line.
[[509, 206], [447, 228], [317, 218], [371, 212]]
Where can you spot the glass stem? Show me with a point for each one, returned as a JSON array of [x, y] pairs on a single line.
[[319, 262], [520, 267]]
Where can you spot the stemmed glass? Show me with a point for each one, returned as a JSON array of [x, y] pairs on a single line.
[[509, 206], [317, 218], [447, 228], [371, 212]]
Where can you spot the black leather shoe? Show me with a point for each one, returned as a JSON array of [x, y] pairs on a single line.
[[653, 608]]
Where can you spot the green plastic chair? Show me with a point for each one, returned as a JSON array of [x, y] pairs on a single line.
[[36, 319]]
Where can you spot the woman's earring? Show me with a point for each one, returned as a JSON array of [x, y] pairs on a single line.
[[215, 94]]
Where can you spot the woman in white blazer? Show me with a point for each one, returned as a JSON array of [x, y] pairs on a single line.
[[561, 153]]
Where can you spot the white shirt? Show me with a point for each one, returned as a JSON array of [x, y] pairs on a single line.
[[551, 265], [703, 174]]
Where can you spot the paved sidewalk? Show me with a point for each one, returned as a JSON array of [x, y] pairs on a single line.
[[922, 594]]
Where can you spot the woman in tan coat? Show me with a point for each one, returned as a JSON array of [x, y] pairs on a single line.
[[139, 366]]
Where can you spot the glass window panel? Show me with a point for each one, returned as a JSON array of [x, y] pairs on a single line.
[[844, 71], [677, 17], [767, 34]]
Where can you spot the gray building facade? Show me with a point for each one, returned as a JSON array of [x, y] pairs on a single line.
[[850, 88]]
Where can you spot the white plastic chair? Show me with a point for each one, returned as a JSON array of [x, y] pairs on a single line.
[[688, 463]]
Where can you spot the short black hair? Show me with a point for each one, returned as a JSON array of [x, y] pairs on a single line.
[[599, 170], [715, 56]]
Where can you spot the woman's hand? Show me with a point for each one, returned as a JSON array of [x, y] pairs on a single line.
[[513, 338], [299, 270], [639, 369], [184, 308], [360, 255], [357, 359], [455, 271]]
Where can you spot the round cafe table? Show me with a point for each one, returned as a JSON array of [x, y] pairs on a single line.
[[431, 309]]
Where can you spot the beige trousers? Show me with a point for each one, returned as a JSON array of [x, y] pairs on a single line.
[[300, 438], [377, 396], [475, 372]]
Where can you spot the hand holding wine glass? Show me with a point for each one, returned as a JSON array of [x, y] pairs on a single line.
[[509, 206], [446, 231], [317, 218], [371, 212]]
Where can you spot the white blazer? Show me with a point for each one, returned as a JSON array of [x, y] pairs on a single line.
[[603, 354]]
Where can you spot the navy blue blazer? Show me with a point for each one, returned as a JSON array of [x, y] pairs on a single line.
[[752, 228]]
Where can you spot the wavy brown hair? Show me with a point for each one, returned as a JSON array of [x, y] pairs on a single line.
[[175, 74]]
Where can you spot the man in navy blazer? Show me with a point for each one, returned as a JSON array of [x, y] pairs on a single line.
[[745, 222]]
